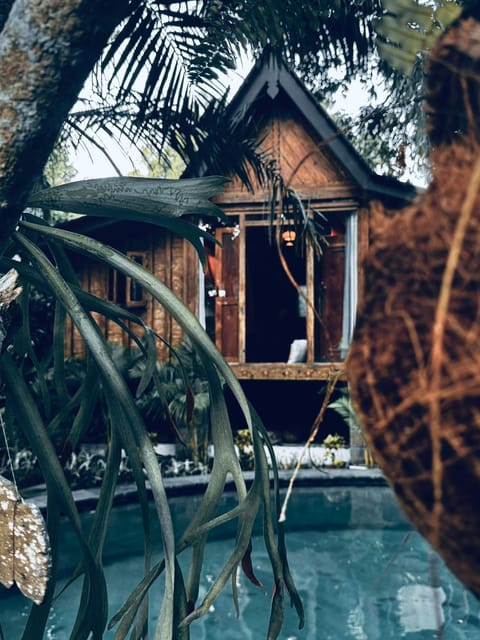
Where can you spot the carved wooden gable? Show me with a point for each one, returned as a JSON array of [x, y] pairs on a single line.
[[304, 160]]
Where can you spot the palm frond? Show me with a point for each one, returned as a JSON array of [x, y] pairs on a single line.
[[166, 65], [163, 52]]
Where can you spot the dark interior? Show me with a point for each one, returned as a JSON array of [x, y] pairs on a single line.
[[274, 314], [288, 409]]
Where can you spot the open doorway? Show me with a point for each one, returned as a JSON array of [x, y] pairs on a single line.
[[275, 312]]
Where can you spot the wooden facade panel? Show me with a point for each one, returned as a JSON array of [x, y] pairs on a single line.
[[162, 256], [74, 344], [228, 287], [330, 197], [330, 284], [305, 162], [98, 286], [190, 268], [227, 328]]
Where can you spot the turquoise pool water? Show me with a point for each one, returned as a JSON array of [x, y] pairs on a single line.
[[361, 572]]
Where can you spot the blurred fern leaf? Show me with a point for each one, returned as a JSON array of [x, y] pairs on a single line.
[[407, 28]]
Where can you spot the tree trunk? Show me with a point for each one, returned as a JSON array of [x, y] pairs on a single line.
[[47, 49]]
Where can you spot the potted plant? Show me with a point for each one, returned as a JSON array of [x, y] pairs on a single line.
[[360, 452], [332, 444]]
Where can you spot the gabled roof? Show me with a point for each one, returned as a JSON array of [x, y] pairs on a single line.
[[270, 77], [267, 81]]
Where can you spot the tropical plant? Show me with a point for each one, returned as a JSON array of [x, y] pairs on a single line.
[[408, 28], [177, 403], [332, 443], [162, 82], [243, 441], [42, 259], [389, 129], [344, 407]]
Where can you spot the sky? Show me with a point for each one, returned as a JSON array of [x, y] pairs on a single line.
[[94, 164]]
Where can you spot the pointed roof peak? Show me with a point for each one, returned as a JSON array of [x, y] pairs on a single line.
[[271, 76]]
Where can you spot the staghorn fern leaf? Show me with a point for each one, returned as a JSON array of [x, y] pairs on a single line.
[[225, 462], [153, 200], [141, 199]]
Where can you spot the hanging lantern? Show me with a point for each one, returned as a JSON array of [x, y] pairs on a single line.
[[288, 237]]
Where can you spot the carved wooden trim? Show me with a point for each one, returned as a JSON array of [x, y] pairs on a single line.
[[283, 371]]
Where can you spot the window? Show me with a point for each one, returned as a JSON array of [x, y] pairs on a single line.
[[135, 294], [124, 290]]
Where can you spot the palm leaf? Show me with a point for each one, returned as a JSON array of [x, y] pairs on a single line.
[[169, 43], [164, 63], [408, 28]]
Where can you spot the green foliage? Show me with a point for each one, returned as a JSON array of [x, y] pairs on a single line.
[[344, 407], [163, 83], [176, 403], [408, 28], [41, 259], [332, 443], [164, 87], [243, 440], [170, 165], [59, 168]]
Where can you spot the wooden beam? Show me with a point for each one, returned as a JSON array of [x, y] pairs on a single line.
[[341, 196], [283, 371]]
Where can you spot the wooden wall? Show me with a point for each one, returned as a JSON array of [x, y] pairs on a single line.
[[304, 161], [169, 258]]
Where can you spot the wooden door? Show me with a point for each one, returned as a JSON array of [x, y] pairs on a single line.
[[227, 299], [330, 282]]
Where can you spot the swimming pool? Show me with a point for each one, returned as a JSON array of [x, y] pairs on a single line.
[[361, 572]]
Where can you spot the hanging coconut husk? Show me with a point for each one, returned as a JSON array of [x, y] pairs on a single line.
[[414, 364]]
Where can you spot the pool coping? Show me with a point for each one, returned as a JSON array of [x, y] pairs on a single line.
[[87, 499]]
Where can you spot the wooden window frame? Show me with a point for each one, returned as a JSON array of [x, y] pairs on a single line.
[[129, 303], [248, 218], [119, 286]]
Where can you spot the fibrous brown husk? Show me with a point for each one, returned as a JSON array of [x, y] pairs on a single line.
[[452, 95], [414, 365]]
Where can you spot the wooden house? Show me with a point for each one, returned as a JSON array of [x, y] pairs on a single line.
[[281, 329]]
